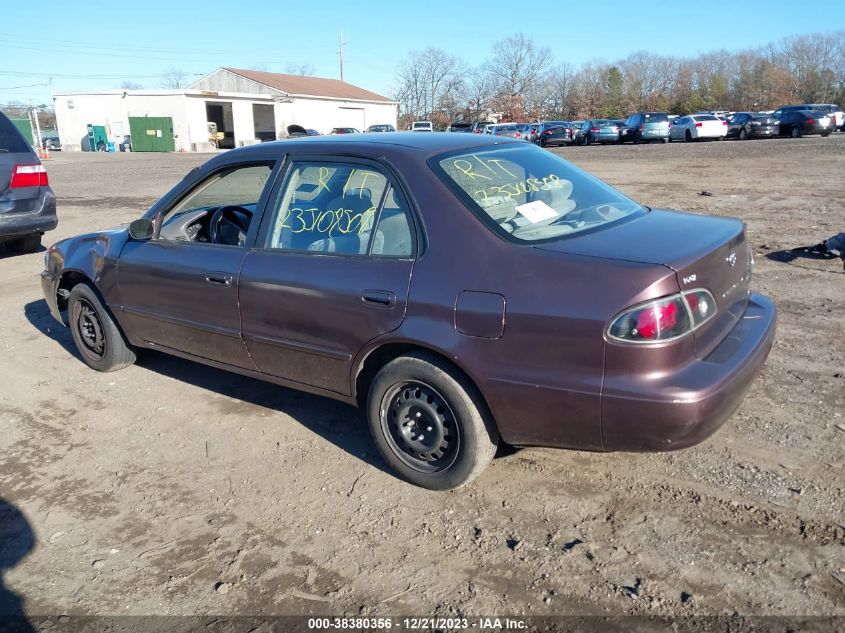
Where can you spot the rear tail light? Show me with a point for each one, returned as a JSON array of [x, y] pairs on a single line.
[[29, 176], [663, 319], [595, 129], [724, 122], [810, 121], [641, 127], [698, 124]]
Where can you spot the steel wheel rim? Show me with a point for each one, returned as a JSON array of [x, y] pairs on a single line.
[[89, 330], [420, 426]]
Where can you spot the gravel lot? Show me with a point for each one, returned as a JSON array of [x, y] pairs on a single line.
[[147, 488]]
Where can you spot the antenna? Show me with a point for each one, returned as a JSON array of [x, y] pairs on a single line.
[[340, 52]]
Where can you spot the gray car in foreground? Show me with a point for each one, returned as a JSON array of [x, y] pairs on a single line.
[[27, 204]]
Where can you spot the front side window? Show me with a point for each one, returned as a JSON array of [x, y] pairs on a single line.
[[529, 194], [340, 208], [220, 209]]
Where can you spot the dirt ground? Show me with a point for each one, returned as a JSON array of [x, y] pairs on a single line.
[[141, 491]]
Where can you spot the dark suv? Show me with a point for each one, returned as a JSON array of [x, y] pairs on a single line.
[[644, 127], [797, 123], [27, 204]]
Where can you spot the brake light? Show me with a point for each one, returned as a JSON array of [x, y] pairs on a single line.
[[663, 319], [595, 129], [641, 127], [810, 121], [724, 122], [29, 176], [698, 124]]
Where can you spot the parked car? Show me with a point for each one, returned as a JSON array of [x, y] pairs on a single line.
[[524, 131], [52, 143], [297, 131], [831, 109], [696, 127], [460, 127], [422, 126], [645, 127], [533, 130], [797, 123], [478, 126], [746, 125], [651, 346], [27, 203], [344, 130], [600, 131], [488, 129], [546, 125], [577, 132], [381, 127], [555, 135], [506, 129]]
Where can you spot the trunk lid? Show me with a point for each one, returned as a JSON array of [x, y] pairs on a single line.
[[703, 251]]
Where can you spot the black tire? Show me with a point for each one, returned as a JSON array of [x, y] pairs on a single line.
[[542, 142], [688, 136], [95, 333], [27, 244], [825, 134], [664, 140], [795, 132], [743, 135], [422, 389]]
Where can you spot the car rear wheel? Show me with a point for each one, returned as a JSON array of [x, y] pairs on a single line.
[[688, 136], [743, 135], [429, 423], [28, 244], [826, 134], [796, 132], [95, 333]]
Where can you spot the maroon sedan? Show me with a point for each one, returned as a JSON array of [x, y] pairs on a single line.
[[460, 289]]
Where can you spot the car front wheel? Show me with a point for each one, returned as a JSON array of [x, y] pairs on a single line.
[[95, 333], [796, 132], [429, 422]]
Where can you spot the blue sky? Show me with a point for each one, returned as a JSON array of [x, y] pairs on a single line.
[[96, 44]]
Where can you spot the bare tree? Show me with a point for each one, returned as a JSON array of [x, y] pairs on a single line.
[[175, 79], [430, 83], [516, 64], [306, 70], [131, 85]]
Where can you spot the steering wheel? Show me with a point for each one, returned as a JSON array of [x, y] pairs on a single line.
[[229, 217]]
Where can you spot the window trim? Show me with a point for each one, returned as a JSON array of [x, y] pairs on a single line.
[[390, 175]]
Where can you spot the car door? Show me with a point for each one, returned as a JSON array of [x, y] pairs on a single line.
[[179, 290], [330, 271]]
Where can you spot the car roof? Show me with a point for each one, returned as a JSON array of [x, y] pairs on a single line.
[[375, 143]]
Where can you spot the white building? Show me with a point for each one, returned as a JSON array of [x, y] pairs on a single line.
[[246, 106]]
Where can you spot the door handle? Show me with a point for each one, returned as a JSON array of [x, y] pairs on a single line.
[[221, 279], [381, 298]]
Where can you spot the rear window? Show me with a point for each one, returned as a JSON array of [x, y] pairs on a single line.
[[706, 117], [530, 195], [11, 141], [655, 117]]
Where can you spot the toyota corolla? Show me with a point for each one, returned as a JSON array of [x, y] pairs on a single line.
[[462, 290]]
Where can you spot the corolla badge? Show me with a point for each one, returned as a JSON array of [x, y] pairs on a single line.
[[731, 259]]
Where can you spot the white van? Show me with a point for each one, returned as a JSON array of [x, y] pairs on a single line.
[[422, 126]]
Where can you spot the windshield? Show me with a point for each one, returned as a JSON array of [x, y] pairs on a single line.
[[531, 194]]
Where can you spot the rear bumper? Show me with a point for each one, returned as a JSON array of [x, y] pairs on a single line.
[[764, 131], [43, 218], [684, 408]]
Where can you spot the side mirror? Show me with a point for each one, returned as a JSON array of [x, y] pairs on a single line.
[[141, 229]]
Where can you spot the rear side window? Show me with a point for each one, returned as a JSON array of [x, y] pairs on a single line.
[[340, 208], [656, 117], [11, 141]]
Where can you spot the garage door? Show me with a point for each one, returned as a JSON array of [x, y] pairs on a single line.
[[152, 134], [350, 117]]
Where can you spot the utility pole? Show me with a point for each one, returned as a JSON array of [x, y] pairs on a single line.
[[340, 52], [34, 114]]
